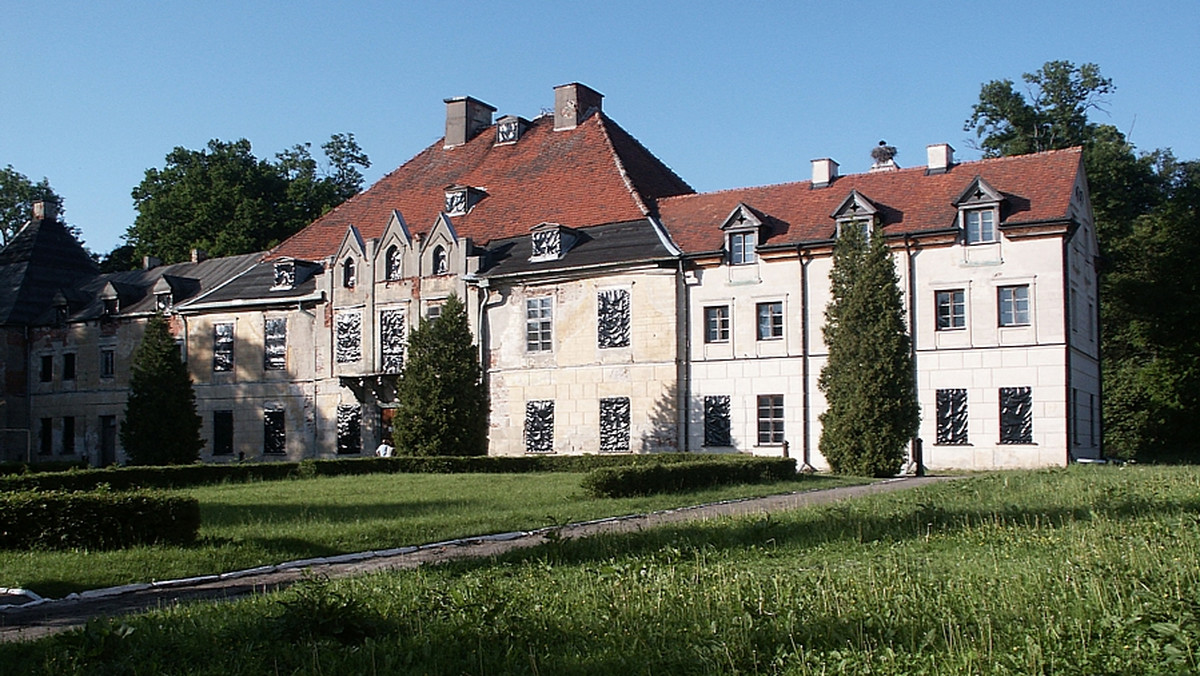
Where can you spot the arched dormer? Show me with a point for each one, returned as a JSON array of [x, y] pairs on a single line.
[[438, 250], [390, 256], [979, 213], [352, 254]]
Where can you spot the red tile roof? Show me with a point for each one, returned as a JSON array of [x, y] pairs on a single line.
[[594, 174], [1036, 187]]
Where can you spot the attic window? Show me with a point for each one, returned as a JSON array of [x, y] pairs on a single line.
[[550, 241], [285, 276], [743, 231], [461, 199], [349, 275], [979, 212], [856, 211], [163, 301], [111, 306], [509, 129]]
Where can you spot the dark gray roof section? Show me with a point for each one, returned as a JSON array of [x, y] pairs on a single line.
[[42, 261], [615, 243], [135, 287], [256, 285]]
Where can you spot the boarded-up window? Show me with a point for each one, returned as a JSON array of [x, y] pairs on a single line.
[[223, 347], [223, 432], [612, 320], [274, 433], [952, 416], [717, 425], [349, 429], [614, 425], [1016, 415], [539, 426], [275, 349], [349, 337], [391, 340]]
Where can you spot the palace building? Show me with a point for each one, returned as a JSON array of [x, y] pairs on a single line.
[[616, 310]]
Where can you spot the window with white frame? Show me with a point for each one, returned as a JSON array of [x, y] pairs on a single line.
[[980, 226], [770, 320], [951, 309], [741, 247], [716, 324], [770, 419], [539, 320], [1013, 302]]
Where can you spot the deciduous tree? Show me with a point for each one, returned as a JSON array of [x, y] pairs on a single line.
[[441, 399], [868, 379], [161, 424], [17, 195]]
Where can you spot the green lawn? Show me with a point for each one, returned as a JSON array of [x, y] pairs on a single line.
[[1089, 570], [251, 524]]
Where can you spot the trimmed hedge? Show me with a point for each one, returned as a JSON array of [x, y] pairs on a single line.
[[620, 482], [183, 476], [96, 520]]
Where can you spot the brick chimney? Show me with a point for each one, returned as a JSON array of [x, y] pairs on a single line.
[[573, 103], [824, 171], [466, 117]]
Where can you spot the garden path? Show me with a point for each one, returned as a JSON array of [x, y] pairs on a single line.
[[32, 621]]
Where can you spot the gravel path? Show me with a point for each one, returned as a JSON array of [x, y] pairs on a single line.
[[35, 620]]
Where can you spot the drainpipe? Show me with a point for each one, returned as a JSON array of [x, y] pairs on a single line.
[[916, 458], [683, 361], [806, 450]]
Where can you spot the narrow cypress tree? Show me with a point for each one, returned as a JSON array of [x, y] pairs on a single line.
[[441, 401], [161, 424], [868, 380]]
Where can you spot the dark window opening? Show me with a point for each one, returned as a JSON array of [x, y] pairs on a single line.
[[46, 373], [392, 264], [274, 433], [349, 429], [222, 347], [69, 366], [539, 426], [68, 436], [614, 425], [952, 416], [46, 437], [108, 363], [717, 421], [349, 276], [222, 432], [275, 344], [1016, 415], [613, 318]]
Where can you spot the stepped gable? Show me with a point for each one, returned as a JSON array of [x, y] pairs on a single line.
[[1037, 188], [43, 259], [593, 174]]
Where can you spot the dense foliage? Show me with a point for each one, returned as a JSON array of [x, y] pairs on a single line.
[[441, 399], [1082, 571], [1146, 218], [17, 195], [868, 378], [95, 520], [650, 478], [161, 426], [226, 201]]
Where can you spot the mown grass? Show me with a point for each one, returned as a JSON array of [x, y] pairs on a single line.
[[252, 524], [1081, 571]]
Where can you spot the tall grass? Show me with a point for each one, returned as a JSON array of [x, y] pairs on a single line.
[[1085, 571], [253, 524]]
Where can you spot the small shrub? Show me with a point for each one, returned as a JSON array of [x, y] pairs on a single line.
[[312, 610], [100, 519], [619, 482]]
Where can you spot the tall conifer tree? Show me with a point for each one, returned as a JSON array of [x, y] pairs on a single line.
[[868, 380], [441, 398], [161, 424]]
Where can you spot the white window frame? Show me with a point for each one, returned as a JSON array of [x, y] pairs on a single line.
[[774, 326], [1011, 309], [539, 324], [743, 247], [770, 427], [956, 300], [717, 324], [979, 232]]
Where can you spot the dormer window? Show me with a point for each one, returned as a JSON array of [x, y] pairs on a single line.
[[857, 212], [285, 276], [349, 274], [60, 314], [743, 233], [550, 242], [979, 212], [111, 307], [162, 301], [461, 199], [509, 129]]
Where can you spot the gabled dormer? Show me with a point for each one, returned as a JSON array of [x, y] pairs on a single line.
[[111, 298], [62, 308], [438, 246], [510, 128], [461, 199], [856, 211], [550, 242], [744, 231], [350, 255], [164, 297], [397, 240], [979, 212]]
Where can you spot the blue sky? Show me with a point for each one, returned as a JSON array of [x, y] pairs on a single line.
[[727, 94]]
